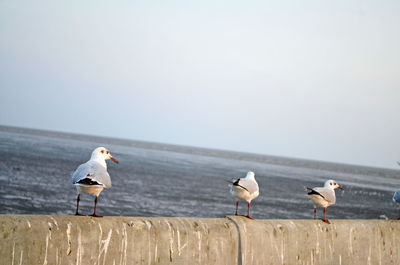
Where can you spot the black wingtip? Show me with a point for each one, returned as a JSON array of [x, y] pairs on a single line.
[[87, 181], [314, 192], [236, 183]]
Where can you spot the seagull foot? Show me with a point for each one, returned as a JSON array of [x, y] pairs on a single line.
[[326, 221], [248, 216], [78, 214], [398, 218], [95, 215]]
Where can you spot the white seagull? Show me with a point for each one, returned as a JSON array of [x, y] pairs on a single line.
[[396, 198], [324, 196], [245, 189], [92, 177], [396, 195]]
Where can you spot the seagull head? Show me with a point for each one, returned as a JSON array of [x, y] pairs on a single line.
[[250, 175], [332, 184], [103, 153]]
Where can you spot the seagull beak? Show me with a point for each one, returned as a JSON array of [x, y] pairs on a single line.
[[340, 187], [114, 160]]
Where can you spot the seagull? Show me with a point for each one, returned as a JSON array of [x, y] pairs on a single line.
[[396, 195], [324, 197], [396, 198], [245, 189], [92, 177]]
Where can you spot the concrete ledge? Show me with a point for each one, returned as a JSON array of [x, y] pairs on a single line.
[[116, 240], [360, 242], [48, 240]]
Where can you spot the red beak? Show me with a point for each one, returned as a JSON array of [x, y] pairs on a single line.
[[114, 160], [340, 187]]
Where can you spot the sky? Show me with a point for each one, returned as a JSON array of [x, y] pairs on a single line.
[[306, 79]]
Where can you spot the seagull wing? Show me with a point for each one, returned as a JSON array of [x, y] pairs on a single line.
[[83, 171], [314, 192], [250, 185], [327, 194], [94, 172], [239, 183]]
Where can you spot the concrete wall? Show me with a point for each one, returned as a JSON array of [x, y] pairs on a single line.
[[49, 240]]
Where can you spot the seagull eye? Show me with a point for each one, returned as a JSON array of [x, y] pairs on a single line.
[[334, 183], [102, 151], [331, 183], [108, 152]]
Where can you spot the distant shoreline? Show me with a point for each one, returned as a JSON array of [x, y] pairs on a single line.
[[246, 156]]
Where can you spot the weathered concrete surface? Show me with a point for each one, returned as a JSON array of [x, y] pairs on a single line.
[[54, 240], [68, 240], [356, 242]]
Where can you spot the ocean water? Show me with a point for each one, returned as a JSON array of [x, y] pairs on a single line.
[[165, 180]]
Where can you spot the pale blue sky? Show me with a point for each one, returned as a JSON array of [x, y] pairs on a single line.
[[306, 79]]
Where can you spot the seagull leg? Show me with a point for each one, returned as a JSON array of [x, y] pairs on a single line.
[[248, 211], [237, 206], [78, 198], [315, 212], [325, 220], [94, 210]]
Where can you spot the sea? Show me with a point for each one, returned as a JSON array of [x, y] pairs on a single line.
[[163, 180]]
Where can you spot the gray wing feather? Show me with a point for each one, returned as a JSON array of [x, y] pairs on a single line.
[[328, 194], [80, 173], [93, 170], [250, 185]]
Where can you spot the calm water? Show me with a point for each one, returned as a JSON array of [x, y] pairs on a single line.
[[165, 180]]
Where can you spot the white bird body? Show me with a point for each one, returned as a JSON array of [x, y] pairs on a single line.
[[246, 188], [89, 189], [92, 177], [324, 197], [328, 197], [96, 170]]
